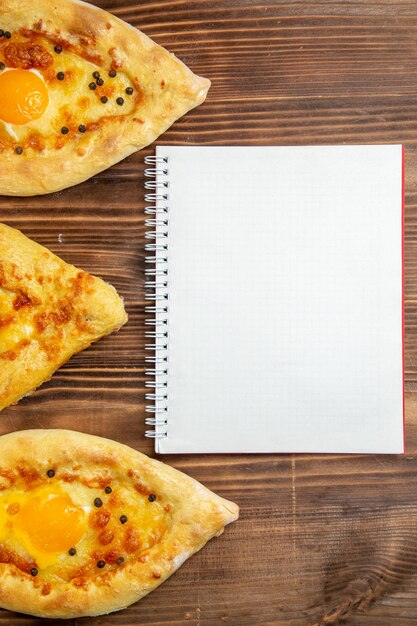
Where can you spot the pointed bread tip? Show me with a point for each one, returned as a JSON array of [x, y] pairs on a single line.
[[231, 511], [202, 85]]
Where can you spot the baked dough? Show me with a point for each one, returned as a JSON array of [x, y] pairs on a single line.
[[51, 152], [116, 561], [49, 310]]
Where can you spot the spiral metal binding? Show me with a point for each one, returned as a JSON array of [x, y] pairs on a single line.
[[156, 295]]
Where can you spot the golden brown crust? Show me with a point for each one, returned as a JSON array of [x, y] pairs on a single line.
[[49, 310], [26, 55], [165, 89], [195, 515]]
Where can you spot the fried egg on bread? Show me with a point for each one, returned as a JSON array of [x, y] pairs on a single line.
[[44, 92], [88, 526], [82, 90], [49, 310]]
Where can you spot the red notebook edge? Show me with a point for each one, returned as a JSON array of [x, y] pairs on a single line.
[[402, 279]]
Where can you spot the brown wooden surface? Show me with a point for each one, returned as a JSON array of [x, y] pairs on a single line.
[[321, 539]]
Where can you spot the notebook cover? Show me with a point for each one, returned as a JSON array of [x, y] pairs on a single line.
[[264, 191]]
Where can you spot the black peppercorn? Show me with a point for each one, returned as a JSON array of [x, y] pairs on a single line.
[[82, 128], [100, 82], [120, 101], [7, 34], [112, 73], [51, 473], [96, 74], [72, 551], [60, 76], [120, 560], [108, 489], [58, 49], [98, 502], [19, 150], [2, 66], [33, 571], [64, 130], [92, 86], [101, 564], [152, 497], [123, 519], [129, 91], [104, 99], [1, 32]]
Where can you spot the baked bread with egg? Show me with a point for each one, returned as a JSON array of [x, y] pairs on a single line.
[[49, 310], [89, 526], [81, 90]]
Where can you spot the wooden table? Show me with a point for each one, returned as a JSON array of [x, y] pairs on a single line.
[[321, 539]]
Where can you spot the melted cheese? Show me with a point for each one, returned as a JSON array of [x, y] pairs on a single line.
[[71, 102], [49, 310], [6, 302], [15, 326], [40, 525], [44, 523]]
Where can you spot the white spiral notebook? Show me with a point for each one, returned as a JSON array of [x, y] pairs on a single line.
[[275, 299]]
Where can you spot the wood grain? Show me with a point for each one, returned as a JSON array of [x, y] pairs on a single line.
[[321, 539]]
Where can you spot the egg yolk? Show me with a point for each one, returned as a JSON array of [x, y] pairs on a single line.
[[24, 96], [52, 524]]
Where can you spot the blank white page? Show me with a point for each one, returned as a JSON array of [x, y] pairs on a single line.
[[285, 299]]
